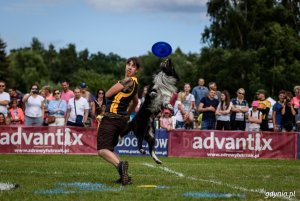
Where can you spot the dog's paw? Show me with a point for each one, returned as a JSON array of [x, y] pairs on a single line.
[[142, 151]]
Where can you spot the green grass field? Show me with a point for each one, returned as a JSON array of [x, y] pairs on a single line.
[[72, 177]]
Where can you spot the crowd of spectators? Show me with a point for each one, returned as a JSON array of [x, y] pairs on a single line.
[[199, 107], [217, 110], [46, 107]]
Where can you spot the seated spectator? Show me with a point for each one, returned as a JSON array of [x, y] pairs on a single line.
[[2, 119], [17, 114], [166, 120], [254, 117], [57, 108], [223, 112]]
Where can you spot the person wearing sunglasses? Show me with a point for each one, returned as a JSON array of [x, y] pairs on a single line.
[[238, 112], [34, 107], [4, 98], [98, 107], [57, 108]]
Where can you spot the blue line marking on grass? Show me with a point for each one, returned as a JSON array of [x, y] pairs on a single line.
[[54, 191], [212, 195], [76, 187], [163, 187]]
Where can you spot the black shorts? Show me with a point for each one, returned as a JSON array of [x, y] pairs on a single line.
[[109, 131]]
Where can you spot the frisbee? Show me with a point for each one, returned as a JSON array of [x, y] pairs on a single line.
[[161, 49]]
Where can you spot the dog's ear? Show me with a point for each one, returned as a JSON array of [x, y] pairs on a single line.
[[166, 64], [166, 67]]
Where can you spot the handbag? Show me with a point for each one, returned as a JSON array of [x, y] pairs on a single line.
[[50, 119], [79, 118]]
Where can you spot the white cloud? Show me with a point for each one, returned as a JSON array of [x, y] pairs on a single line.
[[150, 5]]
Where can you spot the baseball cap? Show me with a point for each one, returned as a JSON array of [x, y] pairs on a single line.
[[83, 85], [261, 91], [254, 104], [167, 111]]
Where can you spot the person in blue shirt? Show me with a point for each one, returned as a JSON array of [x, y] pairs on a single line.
[[208, 107], [277, 109], [57, 108], [199, 92]]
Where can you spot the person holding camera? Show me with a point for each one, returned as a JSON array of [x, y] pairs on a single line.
[[78, 110], [288, 113], [34, 107]]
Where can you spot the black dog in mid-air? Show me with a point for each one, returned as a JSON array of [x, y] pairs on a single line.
[[158, 97]]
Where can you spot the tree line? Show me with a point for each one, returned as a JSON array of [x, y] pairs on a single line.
[[249, 44]]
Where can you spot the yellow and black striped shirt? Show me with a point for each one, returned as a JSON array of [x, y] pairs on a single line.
[[118, 104]]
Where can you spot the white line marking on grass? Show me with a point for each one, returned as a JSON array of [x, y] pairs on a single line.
[[179, 174]]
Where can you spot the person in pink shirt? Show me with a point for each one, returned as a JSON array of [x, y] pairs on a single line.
[[66, 93], [48, 93], [166, 120], [296, 105], [296, 98], [17, 114]]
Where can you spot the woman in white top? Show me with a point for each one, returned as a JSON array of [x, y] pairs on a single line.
[[223, 112], [34, 107], [179, 111], [188, 103]]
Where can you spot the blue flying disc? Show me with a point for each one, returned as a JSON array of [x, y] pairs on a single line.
[[161, 49]]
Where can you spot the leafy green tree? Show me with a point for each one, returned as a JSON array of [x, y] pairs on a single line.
[[28, 67], [259, 43], [92, 79], [68, 63], [4, 62]]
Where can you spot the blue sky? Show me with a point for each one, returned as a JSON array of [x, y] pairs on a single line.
[[124, 27]]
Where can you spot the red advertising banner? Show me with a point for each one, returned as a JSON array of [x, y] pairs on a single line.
[[48, 140], [232, 144]]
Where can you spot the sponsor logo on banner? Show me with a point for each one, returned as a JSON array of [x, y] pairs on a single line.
[[251, 142], [66, 138], [48, 140], [232, 144]]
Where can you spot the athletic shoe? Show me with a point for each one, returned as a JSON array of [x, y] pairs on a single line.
[[123, 171], [119, 181]]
